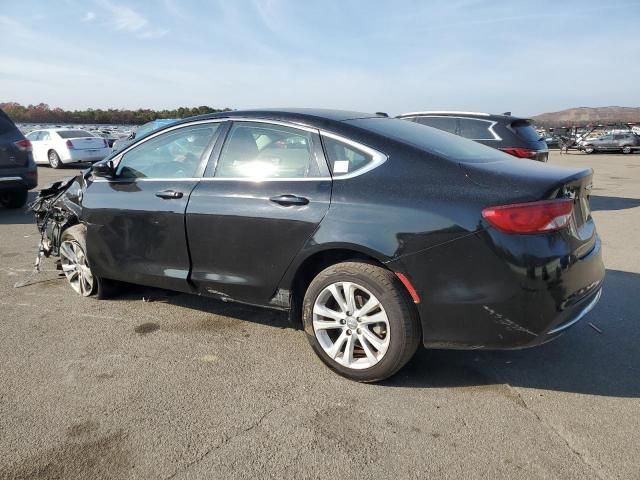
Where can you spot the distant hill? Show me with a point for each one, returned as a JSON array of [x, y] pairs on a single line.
[[588, 115]]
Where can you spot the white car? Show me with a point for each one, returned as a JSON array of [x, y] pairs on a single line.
[[57, 146]]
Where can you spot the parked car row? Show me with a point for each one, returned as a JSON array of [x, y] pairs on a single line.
[[375, 234]]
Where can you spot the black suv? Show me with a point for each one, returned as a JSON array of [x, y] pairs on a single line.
[[18, 172], [510, 134]]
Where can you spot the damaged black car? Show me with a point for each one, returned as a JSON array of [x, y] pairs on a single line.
[[375, 234]]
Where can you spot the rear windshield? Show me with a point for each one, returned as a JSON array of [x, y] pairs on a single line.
[[432, 140], [525, 131], [73, 133]]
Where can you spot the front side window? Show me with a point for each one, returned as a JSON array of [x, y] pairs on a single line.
[[475, 129], [34, 136], [44, 136], [173, 154], [264, 150]]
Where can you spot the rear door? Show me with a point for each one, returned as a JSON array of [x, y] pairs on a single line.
[[261, 199], [135, 220]]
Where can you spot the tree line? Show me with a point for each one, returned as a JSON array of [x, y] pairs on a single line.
[[43, 113]]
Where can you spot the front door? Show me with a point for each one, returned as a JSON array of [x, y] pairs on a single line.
[[135, 220], [255, 209]]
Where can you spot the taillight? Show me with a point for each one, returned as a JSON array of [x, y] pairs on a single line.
[[70, 145], [24, 145], [520, 152], [534, 217]]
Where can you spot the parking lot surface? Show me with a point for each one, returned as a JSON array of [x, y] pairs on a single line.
[[154, 384]]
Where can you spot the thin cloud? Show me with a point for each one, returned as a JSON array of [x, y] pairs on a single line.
[[125, 18], [89, 17]]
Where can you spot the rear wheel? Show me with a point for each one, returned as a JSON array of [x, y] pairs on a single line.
[[14, 199], [75, 265], [626, 149], [589, 149], [360, 322], [54, 159]]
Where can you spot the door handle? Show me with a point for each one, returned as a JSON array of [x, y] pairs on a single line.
[[287, 200], [167, 194]]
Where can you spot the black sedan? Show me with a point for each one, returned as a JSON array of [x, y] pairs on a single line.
[[376, 234]]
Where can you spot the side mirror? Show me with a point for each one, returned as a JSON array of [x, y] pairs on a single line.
[[103, 169]]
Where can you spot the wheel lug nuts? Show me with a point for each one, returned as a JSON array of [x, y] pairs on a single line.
[[348, 332], [357, 330], [343, 321]]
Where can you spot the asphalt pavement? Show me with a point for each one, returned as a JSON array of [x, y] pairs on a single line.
[[155, 384]]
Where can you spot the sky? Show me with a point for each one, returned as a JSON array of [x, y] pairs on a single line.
[[398, 56]]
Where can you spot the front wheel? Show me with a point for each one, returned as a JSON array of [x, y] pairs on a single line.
[[626, 149], [75, 265], [589, 149], [360, 322]]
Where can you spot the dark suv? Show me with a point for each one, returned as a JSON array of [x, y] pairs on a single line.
[[510, 134], [18, 172]]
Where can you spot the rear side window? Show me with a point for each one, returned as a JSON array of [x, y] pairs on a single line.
[[432, 140], [262, 150], [344, 158], [447, 124], [525, 131], [73, 134], [475, 129]]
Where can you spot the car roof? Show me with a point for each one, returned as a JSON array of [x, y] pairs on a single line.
[[454, 113], [309, 116]]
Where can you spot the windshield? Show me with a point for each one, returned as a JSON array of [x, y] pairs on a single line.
[[432, 140], [73, 134]]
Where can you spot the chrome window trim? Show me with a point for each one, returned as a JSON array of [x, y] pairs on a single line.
[[11, 179], [299, 126], [378, 158], [213, 179], [493, 123]]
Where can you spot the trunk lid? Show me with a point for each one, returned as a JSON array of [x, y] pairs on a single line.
[[87, 143]]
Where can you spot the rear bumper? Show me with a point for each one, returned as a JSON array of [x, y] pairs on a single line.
[[74, 156], [476, 297], [18, 179]]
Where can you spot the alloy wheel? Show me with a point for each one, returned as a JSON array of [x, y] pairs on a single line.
[[76, 268], [351, 325], [54, 159]]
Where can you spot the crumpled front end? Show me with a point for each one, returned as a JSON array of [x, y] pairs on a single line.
[[56, 208]]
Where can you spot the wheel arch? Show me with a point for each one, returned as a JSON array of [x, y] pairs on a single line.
[[298, 279]]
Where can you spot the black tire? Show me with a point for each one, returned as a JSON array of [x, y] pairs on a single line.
[[54, 159], [627, 149], [14, 199], [102, 288], [404, 325], [588, 149]]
